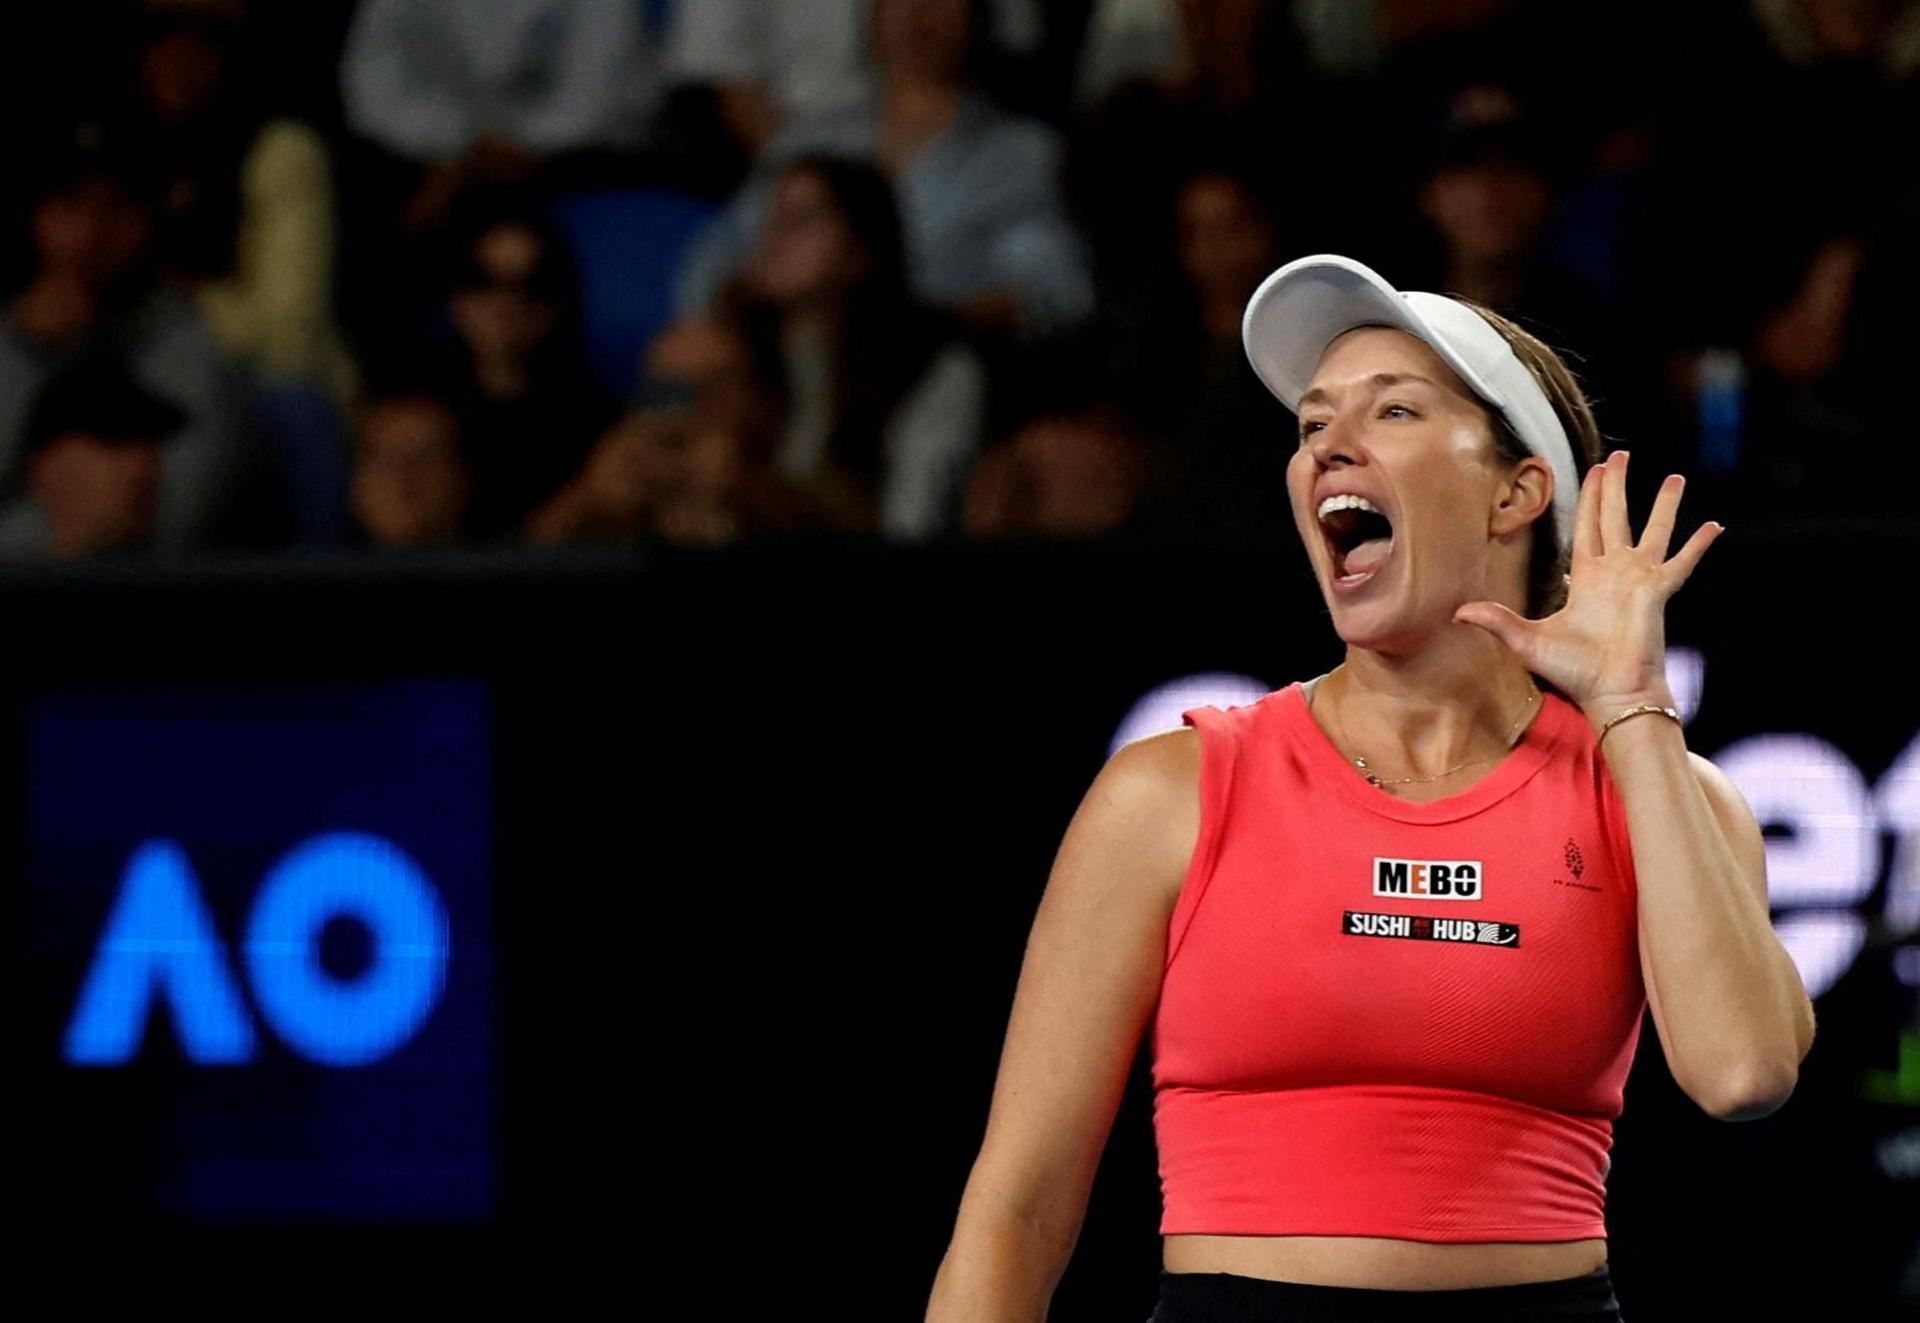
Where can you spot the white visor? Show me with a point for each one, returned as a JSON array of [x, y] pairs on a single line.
[[1299, 310]]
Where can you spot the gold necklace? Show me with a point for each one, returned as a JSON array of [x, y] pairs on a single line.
[[1512, 737]]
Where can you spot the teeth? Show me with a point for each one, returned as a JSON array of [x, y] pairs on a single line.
[[1347, 502]]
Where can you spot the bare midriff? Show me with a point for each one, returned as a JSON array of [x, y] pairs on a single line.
[[1372, 1261]]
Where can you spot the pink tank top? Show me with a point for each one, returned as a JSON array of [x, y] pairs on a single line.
[[1383, 1018]]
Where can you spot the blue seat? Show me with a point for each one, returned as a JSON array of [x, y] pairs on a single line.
[[627, 244]]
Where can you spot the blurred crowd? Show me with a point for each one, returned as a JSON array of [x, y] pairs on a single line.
[[429, 273]]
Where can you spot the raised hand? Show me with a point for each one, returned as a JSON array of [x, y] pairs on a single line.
[[1606, 648]]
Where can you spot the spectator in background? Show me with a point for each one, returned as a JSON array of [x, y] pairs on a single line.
[[452, 98], [1211, 48], [1879, 348], [1776, 174], [665, 472], [884, 408], [1217, 470], [1158, 78], [246, 200], [90, 288], [690, 461], [412, 484], [1358, 38], [92, 445], [1807, 393], [482, 92], [1488, 198], [774, 62], [1073, 472], [769, 64], [528, 410], [985, 232]]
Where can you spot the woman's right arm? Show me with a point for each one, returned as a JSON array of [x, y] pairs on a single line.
[[1088, 985]]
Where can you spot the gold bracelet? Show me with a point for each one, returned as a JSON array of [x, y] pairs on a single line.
[[1634, 712]]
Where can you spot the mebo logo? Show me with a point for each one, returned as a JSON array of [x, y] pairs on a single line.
[[1429, 879], [159, 944]]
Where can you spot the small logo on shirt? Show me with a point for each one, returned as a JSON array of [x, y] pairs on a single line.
[[1429, 879], [1577, 865], [1423, 927]]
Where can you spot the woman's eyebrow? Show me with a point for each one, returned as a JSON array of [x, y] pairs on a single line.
[[1378, 381]]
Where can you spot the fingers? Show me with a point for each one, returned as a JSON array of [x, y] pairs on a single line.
[[1680, 568], [1501, 621], [1659, 529], [1586, 515], [1614, 529]]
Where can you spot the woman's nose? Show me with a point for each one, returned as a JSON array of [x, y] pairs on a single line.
[[1333, 438]]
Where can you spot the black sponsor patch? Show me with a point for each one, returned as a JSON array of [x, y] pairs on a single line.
[[1426, 928]]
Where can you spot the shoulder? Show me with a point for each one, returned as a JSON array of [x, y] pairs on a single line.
[[1148, 797], [1155, 772], [1167, 754], [1168, 764]]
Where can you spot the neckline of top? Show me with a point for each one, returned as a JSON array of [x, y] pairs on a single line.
[[1536, 745]]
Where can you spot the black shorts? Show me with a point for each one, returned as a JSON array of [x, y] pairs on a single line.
[[1224, 1297]]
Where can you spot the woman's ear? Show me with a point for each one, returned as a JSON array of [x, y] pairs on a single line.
[[1525, 495]]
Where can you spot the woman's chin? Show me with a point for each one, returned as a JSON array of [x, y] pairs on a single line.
[[1381, 624], [1367, 626]]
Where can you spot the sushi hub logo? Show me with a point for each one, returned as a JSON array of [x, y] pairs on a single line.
[[1426, 928]]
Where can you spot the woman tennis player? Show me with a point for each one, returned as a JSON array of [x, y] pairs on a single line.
[[1394, 927]]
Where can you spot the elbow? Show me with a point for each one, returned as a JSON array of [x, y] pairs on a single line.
[[1758, 1094]]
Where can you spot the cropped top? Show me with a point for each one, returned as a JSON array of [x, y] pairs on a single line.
[[1387, 1018]]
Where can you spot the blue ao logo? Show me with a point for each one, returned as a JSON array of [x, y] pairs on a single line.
[[160, 944]]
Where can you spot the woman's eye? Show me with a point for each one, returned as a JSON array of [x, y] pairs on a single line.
[[1308, 429], [1398, 408]]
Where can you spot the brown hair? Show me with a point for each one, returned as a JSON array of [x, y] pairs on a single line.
[[1547, 565]]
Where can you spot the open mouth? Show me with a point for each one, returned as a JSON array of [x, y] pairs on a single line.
[[1360, 541]]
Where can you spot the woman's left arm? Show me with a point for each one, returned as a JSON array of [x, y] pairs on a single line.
[[1732, 1013]]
